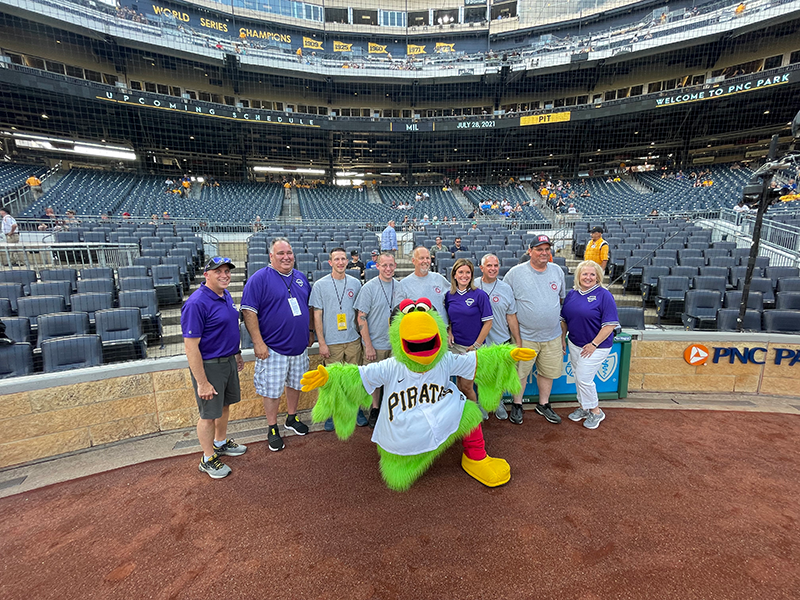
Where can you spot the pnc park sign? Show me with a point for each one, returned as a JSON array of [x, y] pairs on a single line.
[[698, 354]]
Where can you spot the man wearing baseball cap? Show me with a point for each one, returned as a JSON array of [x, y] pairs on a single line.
[[539, 289], [372, 263], [597, 249], [210, 326]]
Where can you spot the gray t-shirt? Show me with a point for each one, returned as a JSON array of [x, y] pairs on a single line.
[[377, 299], [538, 297], [334, 297], [501, 297], [433, 287]]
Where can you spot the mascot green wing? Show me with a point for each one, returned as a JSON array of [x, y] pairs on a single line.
[[341, 398], [495, 373]]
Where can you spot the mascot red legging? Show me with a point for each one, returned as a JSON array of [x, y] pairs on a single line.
[[423, 412]]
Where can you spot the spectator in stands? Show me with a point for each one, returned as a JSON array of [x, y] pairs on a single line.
[[389, 238], [51, 221], [372, 263], [470, 314], [590, 316], [741, 207], [538, 287], [597, 248], [505, 327], [457, 247], [355, 263], [153, 219], [375, 303], [333, 298], [10, 233], [436, 248], [73, 220], [210, 327], [257, 224], [424, 284], [36, 186], [653, 213], [277, 316]]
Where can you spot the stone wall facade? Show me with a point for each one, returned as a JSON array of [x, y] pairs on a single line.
[[47, 422]]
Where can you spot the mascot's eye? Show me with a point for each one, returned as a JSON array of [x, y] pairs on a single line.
[[422, 307], [406, 306]]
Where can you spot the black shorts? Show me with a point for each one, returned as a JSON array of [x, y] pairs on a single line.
[[224, 376]]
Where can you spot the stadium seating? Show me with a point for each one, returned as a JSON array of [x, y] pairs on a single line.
[[75, 352], [15, 360]]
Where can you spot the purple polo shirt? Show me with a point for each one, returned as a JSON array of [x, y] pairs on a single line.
[[214, 319], [267, 294], [467, 313], [588, 312]]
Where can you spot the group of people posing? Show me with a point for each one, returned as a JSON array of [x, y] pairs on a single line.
[[283, 314]]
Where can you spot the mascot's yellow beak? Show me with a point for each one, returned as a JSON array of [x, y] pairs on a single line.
[[420, 337]]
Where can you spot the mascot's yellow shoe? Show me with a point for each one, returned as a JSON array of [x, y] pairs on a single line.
[[491, 472]]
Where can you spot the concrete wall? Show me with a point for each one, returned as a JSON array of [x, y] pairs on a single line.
[[49, 414]]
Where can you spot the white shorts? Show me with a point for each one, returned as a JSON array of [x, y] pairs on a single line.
[[277, 371]]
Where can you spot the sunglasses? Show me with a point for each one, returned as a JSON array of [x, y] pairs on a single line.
[[217, 261]]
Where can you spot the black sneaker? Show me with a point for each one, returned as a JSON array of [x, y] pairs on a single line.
[[274, 439], [373, 416], [230, 448], [548, 413], [516, 414], [296, 425]]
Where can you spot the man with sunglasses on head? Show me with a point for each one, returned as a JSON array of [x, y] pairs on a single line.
[[276, 314], [210, 326]]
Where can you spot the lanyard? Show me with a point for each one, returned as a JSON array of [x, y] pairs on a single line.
[[333, 281], [388, 301], [285, 279], [492, 290]]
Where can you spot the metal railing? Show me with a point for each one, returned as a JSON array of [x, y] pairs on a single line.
[[47, 255]]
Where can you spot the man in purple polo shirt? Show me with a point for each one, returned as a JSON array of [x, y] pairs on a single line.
[[275, 311], [210, 326]]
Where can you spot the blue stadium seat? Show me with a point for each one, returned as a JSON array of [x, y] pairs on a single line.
[[34, 306], [120, 330], [75, 352], [15, 360]]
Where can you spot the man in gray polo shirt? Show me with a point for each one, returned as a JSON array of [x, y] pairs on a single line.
[[505, 327], [374, 304], [333, 299], [538, 287], [424, 284]]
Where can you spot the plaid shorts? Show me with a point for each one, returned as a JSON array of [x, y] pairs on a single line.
[[277, 371]]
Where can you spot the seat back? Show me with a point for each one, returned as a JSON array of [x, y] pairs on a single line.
[[631, 317], [23, 276], [727, 317], [702, 303], [788, 284], [776, 273], [119, 324], [787, 300], [96, 286], [18, 329], [91, 302], [708, 282], [782, 321], [64, 324], [98, 273], [135, 283], [672, 286], [70, 275], [33, 306], [15, 360], [12, 291], [134, 271], [75, 352], [166, 274], [53, 288], [145, 300], [755, 300], [684, 271]]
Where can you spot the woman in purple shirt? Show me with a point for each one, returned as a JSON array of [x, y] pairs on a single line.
[[589, 314], [470, 315]]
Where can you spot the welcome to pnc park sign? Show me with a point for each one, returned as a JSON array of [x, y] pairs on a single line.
[[698, 354]]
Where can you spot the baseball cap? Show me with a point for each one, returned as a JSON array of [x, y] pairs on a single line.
[[597, 229], [375, 252], [539, 240], [217, 262], [354, 253]]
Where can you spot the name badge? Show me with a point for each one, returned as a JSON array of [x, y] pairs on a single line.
[[295, 306], [341, 321]]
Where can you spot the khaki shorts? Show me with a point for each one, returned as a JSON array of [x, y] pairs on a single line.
[[549, 359], [379, 356], [349, 353]]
